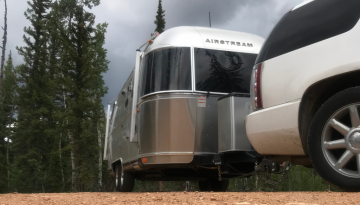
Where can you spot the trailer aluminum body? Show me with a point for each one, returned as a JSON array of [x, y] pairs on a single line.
[[166, 114]]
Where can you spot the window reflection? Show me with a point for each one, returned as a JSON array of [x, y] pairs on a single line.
[[166, 69], [223, 71]]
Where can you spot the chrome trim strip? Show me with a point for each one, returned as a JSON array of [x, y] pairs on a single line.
[[154, 154], [217, 93], [163, 97], [232, 115], [107, 130], [201, 153], [166, 91], [184, 92], [135, 83], [192, 51], [234, 150]]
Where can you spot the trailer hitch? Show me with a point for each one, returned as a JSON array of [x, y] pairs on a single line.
[[217, 160], [269, 166]]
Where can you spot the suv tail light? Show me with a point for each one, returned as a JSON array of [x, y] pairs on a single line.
[[257, 87]]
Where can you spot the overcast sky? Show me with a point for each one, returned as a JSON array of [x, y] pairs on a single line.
[[132, 21]]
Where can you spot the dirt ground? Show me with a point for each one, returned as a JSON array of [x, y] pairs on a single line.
[[288, 198]]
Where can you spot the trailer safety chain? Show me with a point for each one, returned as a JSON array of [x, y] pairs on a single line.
[[219, 170], [285, 174], [257, 167]]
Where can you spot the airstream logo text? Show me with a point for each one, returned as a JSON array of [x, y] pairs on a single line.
[[230, 43]]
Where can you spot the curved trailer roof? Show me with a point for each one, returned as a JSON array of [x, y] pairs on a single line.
[[211, 38]]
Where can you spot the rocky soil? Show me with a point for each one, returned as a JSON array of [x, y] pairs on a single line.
[[236, 198]]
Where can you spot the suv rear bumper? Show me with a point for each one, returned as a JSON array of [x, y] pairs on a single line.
[[274, 130]]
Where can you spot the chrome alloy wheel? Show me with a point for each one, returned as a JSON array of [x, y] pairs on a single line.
[[341, 141]]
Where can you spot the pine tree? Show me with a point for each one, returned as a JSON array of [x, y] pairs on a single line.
[[7, 120], [3, 165], [101, 66], [57, 164], [83, 61], [160, 20], [35, 128], [3, 48]]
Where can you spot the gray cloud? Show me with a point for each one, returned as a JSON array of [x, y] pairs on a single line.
[[131, 22]]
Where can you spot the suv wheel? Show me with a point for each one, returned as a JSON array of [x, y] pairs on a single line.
[[334, 140], [124, 181]]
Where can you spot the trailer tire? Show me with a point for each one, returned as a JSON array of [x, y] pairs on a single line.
[[124, 181], [219, 186], [204, 185]]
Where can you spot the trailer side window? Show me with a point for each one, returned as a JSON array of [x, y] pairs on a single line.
[[166, 69], [223, 71], [311, 23]]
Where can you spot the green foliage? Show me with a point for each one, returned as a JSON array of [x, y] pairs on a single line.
[[300, 178], [3, 166], [83, 61], [167, 186], [35, 128], [160, 20], [57, 137], [60, 117], [7, 111]]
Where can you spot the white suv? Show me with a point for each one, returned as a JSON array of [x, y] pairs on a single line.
[[306, 90]]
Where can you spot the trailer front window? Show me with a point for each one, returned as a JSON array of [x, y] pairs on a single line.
[[223, 71], [166, 69]]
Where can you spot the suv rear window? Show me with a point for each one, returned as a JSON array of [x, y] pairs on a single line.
[[223, 71], [311, 23]]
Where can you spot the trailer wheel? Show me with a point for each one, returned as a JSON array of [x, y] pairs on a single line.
[[124, 181], [219, 186], [204, 185], [334, 140]]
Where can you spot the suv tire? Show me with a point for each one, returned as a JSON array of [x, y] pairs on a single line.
[[334, 140]]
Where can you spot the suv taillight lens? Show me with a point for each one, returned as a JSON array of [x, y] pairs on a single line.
[[257, 87]]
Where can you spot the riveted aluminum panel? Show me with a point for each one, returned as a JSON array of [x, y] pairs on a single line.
[[232, 112], [119, 145], [167, 125], [206, 140], [204, 37]]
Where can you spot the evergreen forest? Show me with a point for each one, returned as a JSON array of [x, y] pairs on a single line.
[[51, 116], [52, 120]]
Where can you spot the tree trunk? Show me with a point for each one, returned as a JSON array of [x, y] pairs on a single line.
[[100, 158], [160, 186], [73, 164], [3, 48], [256, 182], [289, 182], [7, 162], [61, 166], [72, 152]]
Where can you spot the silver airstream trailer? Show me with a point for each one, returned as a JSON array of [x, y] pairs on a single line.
[[165, 123]]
